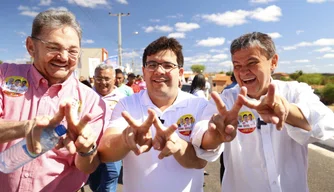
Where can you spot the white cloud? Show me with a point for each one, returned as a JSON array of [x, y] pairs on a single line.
[[329, 55], [23, 60], [27, 11], [149, 29], [217, 50], [183, 27], [240, 17], [177, 16], [261, 1], [211, 42], [274, 35], [324, 42], [220, 56], [316, 1], [155, 20], [177, 35], [125, 2], [45, 2], [22, 34], [268, 14], [299, 32], [284, 62], [228, 18], [324, 49], [319, 42], [87, 41], [226, 63], [158, 28], [88, 3], [59, 8], [302, 61]]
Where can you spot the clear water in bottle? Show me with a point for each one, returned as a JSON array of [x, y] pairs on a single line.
[[18, 155]]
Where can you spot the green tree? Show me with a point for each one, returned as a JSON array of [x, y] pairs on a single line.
[[311, 78], [1, 62], [296, 75], [197, 68], [229, 73]]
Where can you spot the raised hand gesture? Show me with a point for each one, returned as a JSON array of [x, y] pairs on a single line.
[[272, 108], [138, 136], [80, 137], [165, 139], [222, 126]]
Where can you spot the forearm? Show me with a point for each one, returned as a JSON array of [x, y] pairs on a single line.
[[11, 130], [210, 140], [187, 157], [112, 146], [297, 119], [87, 164]]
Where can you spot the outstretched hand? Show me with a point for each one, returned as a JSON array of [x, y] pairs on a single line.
[[165, 139], [272, 108], [138, 136]]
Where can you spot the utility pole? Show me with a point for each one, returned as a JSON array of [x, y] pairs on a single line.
[[119, 15]]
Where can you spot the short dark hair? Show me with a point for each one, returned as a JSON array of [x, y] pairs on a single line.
[[163, 44], [255, 39], [118, 71]]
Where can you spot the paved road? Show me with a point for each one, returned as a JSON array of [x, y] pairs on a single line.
[[321, 172]]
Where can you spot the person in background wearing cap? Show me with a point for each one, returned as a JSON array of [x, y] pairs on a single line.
[[54, 96], [131, 83], [119, 82]]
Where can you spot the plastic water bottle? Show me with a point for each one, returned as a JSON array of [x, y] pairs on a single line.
[[18, 155]]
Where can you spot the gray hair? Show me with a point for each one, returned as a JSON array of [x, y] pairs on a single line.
[[255, 39], [104, 66], [54, 19]]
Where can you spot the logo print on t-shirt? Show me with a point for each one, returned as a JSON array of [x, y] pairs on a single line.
[[15, 86], [246, 122], [185, 124]]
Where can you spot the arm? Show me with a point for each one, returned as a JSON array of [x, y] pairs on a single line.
[[107, 151], [11, 130]]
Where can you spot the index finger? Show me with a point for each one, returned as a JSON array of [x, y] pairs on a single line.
[[271, 95], [83, 123], [128, 118], [58, 117], [219, 103]]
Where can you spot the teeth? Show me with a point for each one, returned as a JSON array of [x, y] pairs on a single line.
[[248, 79]]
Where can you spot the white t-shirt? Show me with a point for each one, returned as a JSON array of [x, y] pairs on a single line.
[[146, 172], [266, 159]]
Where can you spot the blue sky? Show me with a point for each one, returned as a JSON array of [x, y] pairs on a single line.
[[303, 30]]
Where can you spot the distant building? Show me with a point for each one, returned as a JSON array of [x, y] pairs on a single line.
[[90, 58], [279, 76]]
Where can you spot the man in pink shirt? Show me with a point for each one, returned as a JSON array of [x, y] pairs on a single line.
[[53, 96]]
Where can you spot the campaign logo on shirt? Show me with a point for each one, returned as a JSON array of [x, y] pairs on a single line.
[[111, 104], [185, 124], [75, 107], [246, 122], [15, 86]]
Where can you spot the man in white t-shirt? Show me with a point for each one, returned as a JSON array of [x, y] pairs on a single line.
[[106, 175], [157, 155]]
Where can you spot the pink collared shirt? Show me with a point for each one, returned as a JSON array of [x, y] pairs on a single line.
[[55, 170]]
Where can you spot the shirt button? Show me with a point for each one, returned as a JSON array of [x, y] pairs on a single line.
[[26, 175]]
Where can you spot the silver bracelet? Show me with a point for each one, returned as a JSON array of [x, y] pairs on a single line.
[[89, 153]]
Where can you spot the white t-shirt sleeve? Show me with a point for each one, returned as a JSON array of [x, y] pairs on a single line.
[[117, 121]]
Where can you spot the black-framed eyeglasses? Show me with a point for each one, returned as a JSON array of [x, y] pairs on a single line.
[[56, 49], [153, 65]]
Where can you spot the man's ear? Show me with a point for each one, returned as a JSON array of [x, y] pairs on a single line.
[[30, 46], [274, 63]]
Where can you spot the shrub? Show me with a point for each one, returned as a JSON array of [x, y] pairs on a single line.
[[327, 94], [311, 79]]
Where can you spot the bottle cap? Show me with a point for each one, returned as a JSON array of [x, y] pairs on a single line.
[[60, 130]]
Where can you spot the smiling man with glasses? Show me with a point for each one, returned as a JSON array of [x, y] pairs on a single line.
[[167, 162], [51, 96]]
